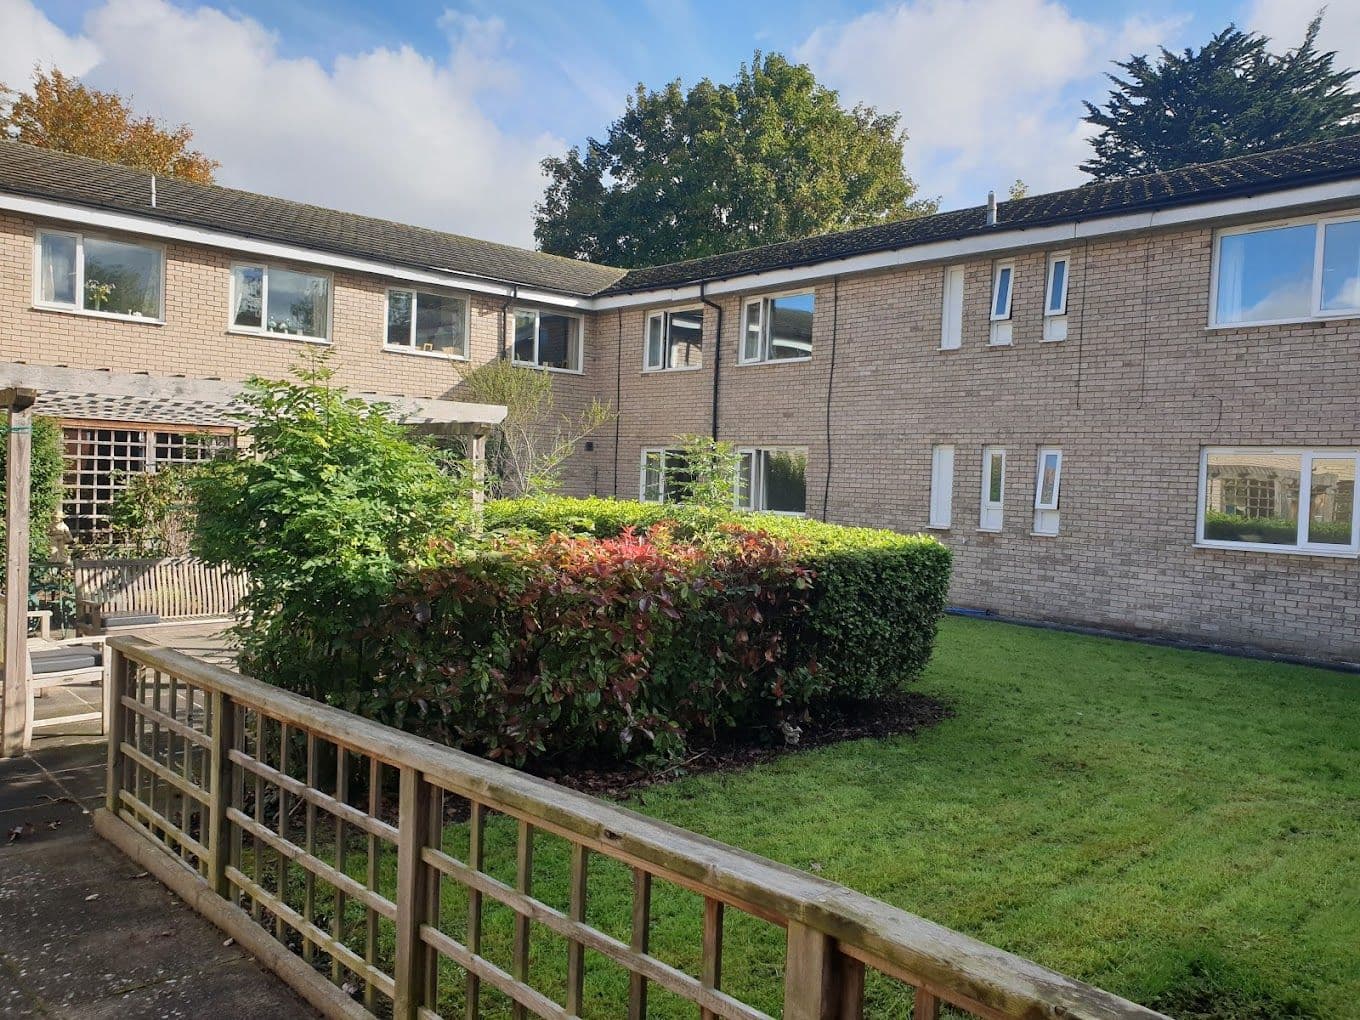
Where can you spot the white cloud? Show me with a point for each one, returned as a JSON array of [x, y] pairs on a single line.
[[389, 132], [30, 38], [1285, 21], [986, 87]]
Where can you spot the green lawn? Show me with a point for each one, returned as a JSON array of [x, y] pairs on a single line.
[[1180, 828]]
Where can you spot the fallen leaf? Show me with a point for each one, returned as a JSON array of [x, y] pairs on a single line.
[[92, 896]]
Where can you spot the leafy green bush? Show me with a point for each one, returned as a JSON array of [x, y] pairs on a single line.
[[46, 465], [877, 595], [564, 646]]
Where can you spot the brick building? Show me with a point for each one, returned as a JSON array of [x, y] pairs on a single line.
[[1130, 405]]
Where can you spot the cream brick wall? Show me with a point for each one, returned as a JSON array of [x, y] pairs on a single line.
[[1131, 396]]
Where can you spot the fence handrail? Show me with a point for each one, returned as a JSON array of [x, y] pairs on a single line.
[[953, 965]]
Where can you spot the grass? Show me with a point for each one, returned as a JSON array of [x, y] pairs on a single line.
[[1181, 828]]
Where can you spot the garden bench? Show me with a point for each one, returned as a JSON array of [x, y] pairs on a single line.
[[114, 594]]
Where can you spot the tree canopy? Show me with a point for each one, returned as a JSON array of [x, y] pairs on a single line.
[[1230, 98], [62, 113], [719, 167]]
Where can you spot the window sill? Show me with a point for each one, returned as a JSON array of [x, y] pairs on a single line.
[[989, 531], [1043, 534], [1279, 550], [1306, 320], [441, 355], [90, 313], [938, 527], [667, 371], [548, 368], [266, 335], [1000, 343], [775, 362], [947, 350]]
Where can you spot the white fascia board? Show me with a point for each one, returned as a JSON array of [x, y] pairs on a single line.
[[147, 226], [999, 241]]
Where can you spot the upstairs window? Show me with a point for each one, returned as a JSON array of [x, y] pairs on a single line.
[[1288, 272], [77, 272], [778, 328], [429, 323], [774, 481], [1003, 280], [280, 302], [993, 488], [1055, 297], [550, 340], [951, 314], [1280, 499], [674, 339], [1047, 481]]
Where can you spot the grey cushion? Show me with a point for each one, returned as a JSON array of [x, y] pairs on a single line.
[[131, 619], [66, 660]]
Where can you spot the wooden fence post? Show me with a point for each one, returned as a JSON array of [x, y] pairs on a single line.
[[115, 686], [14, 721], [811, 976], [220, 791], [413, 893]]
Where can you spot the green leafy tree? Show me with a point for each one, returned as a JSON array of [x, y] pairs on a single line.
[[153, 514], [682, 174], [327, 507], [527, 451], [46, 466], [1229, 98], [705, 473]]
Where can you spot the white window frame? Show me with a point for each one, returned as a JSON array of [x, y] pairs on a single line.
[[77, 308], [415, 293], [1320, 224], [263, 329], [951, 311], [1055, 312], [991, 512], [763, 300], [664, 314], [755, 487], [538, 315], [941, 512], [1001, 330], [1302, 547], [664, 452], [1046, 512]]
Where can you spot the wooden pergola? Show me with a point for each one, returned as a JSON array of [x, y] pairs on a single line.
[[127, 396]]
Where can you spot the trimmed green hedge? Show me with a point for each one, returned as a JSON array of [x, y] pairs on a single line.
[[877, 595]]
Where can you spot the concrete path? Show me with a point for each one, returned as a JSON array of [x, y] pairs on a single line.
[[84, 934]]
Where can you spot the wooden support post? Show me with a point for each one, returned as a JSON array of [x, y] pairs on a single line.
[[811, 989], [220, 787], [576, 906], [524, 883], [14, 717], [641, 941], [116, 684], [926, 1006], [413, 877], [477, 454], [713, 940]]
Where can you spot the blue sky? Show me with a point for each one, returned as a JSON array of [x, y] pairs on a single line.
[[437, 112]]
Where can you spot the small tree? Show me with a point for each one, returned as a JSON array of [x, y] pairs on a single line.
[[526, 452], [154, 513], [63, 114], [332, 501], [705, 473]]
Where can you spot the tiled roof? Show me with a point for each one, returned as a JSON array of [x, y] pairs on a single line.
[[26, 170], [43, 173], [1242, 175]]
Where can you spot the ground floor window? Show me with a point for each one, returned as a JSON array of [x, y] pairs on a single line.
[[772, 480], [664, 477], [1279, 498], [101, 456]]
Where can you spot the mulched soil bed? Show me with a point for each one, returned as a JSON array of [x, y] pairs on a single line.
[[905, 713]]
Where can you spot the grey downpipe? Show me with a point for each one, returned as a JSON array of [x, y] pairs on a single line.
[[717, 351]]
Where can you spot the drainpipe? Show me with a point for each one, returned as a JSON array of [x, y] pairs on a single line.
[[505, 311], [717, 351]]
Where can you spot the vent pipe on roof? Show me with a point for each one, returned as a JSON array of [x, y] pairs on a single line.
[[991, 208], [153, 191]]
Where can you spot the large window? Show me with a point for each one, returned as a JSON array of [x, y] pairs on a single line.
[[941, 486], [951, 312], [426, 322], [1280, 499], [674, 339], [772, 480], [1003, 284], [993, 488], [1288, 272], [547, 340], [100, 459], [1047, 485], [77, 272], [778, 328], [281, 302]]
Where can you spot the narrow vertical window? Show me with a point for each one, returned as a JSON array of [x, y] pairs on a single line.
[[1055, 297], [1003, 281], [993, 487], [1047, 482], [941, 486], [951, 315]]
